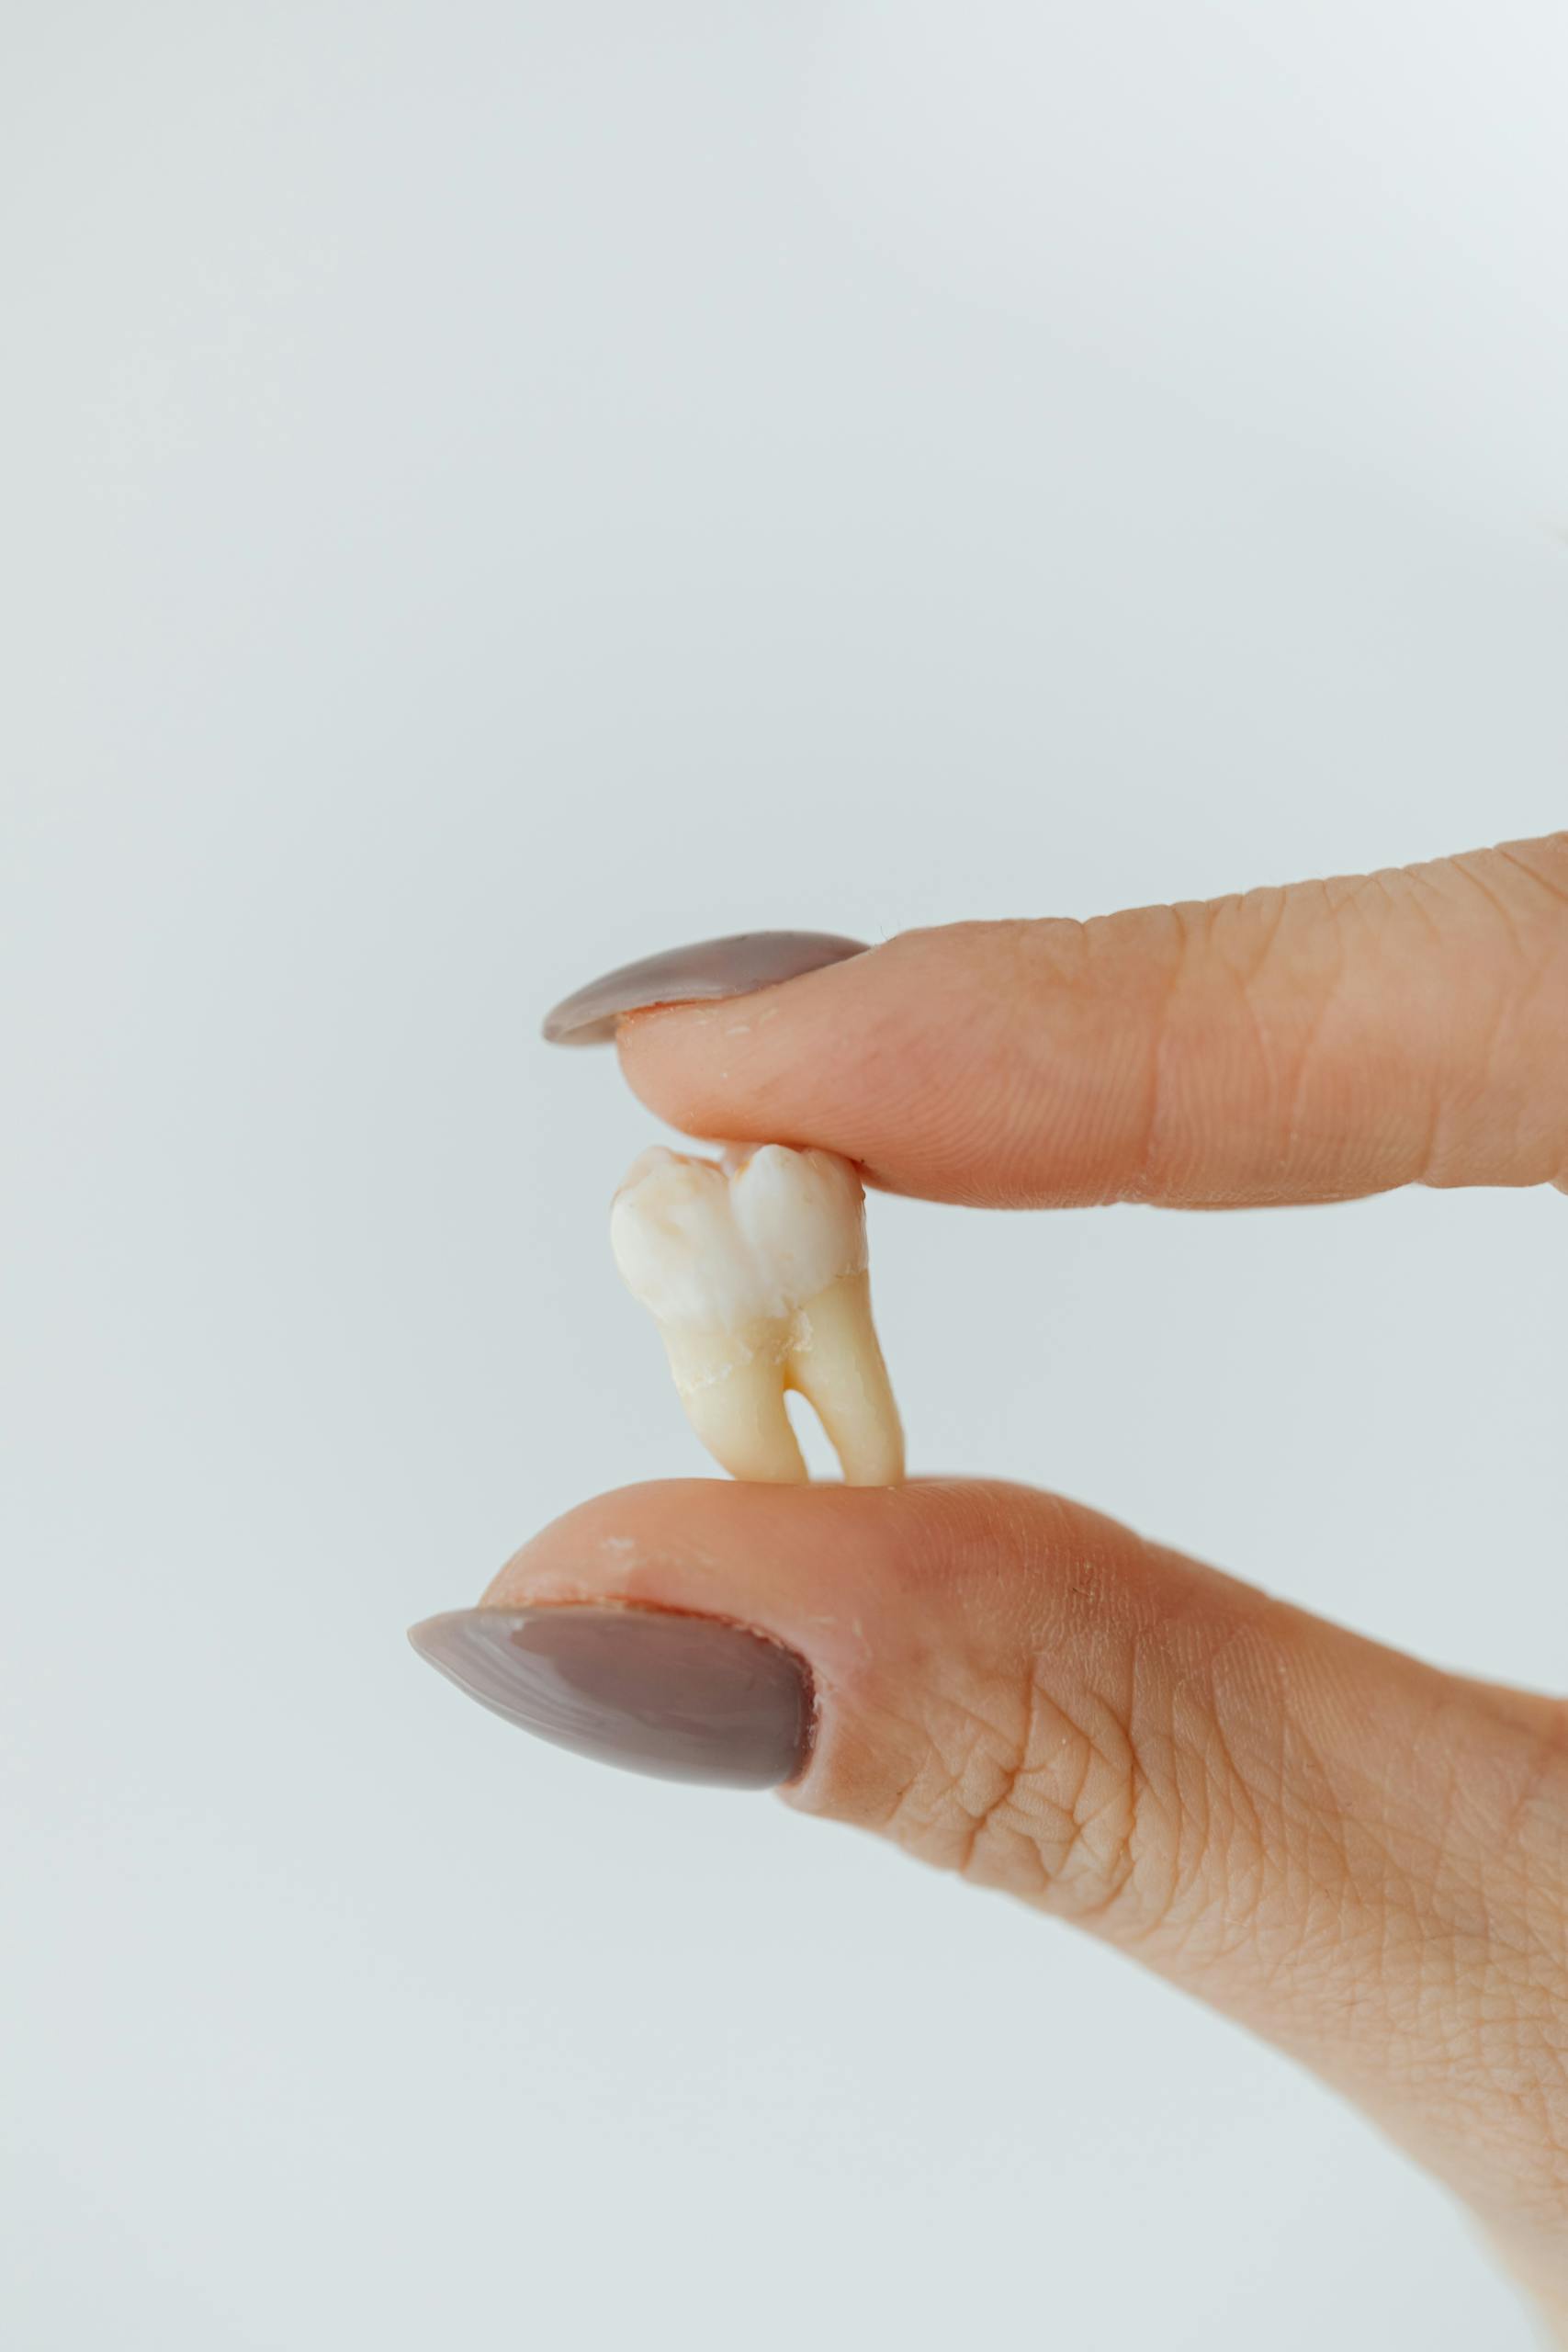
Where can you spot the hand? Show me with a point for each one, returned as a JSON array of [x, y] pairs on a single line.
[[1363, 1859]]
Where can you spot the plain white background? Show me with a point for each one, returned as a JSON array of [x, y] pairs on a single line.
[[493, 490]]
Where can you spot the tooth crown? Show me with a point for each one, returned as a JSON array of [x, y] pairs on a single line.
[[707, 1248]]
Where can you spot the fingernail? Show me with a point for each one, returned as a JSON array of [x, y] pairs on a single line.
[[682, 1698], [707, 969]]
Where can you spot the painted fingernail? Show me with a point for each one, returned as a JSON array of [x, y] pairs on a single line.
[[707, 969], [681, 1698]]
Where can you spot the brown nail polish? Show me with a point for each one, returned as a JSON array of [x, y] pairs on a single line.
[[707, 969], [682, 1698]]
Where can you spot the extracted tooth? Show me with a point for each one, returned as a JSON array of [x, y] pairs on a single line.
[[755, 1271]]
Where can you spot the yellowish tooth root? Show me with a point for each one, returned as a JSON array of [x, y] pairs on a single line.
[[742, 1422], [836, 1363], [735, 1401]]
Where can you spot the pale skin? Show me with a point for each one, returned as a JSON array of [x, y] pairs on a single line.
[[1358, 1856]]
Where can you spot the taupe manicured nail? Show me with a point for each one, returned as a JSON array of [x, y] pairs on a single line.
[[682, 1698], [707, 969]]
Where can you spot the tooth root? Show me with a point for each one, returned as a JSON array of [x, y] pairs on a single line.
[[736, 1405], [836, 1363]]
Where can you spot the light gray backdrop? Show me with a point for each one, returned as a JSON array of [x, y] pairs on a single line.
[[493, 490]]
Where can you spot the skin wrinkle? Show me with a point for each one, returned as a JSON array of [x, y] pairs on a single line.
[[1416, 882], [1194, 1729], [1040, 965], [1278, 1924], [1401, 1867], [1139, 1185], [1550, 1758], [1388, 887], [1466, 865], [1222, 921], [1211, 935], [889, 1824], [1551, 976], [1057, 1821], [1508, 851], [959, 1847], [1269, 908], [1408, 1903], [985, 1808], [1303, 1053], [1239, 1841], [1485, 1056], [1426, 1874], [1010, 1803], [1428, 1152], [1247, 1024], [1029, 1788]]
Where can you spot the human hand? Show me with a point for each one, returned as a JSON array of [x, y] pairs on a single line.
[[1362, 1857]]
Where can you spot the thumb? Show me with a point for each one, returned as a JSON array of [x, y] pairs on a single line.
[[1354, 1853]]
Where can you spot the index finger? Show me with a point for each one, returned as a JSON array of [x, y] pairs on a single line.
[[1313, 1043]]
